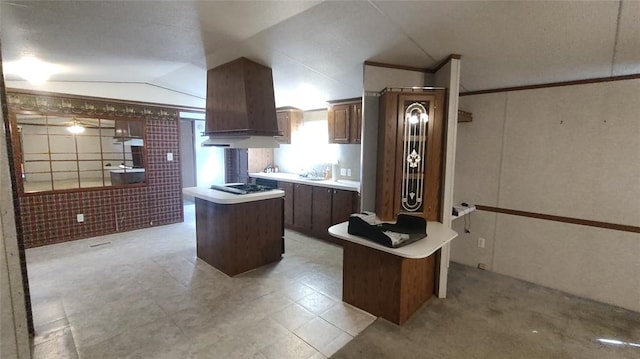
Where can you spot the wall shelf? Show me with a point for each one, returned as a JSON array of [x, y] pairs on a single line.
[[462, 210]]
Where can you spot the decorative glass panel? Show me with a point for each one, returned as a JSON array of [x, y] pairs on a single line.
[[416, 118]]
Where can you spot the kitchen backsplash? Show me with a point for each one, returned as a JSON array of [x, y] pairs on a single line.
[[310, 149]]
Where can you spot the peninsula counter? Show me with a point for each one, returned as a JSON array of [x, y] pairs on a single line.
[[391, 283]]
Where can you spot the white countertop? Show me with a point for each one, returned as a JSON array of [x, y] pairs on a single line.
[[127, 170], [220, 197], [437, 236], [294, 178]]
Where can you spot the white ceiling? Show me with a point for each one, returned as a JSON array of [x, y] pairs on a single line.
[[319, 47]]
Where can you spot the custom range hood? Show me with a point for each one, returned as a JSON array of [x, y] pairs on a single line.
[[241, 111]]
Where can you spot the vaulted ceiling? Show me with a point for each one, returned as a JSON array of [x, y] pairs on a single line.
[[317, 48]]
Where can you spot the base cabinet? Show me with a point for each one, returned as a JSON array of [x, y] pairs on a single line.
[[239, 237], [302, 196], [313, 209]]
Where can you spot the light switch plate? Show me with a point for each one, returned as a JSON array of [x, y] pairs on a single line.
[[80, 217], [169, 156], [348, 172]]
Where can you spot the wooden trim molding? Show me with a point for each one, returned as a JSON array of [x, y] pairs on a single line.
[[48, 103], [345, 100], [549, 217], [44, 94], [553, 84], [444, 62], [413, 68], [398, 67]]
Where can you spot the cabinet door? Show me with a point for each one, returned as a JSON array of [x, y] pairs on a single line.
[[342, 205], [355, 130], [321, 210], [287, 187], [122, 128], [419, 154], [284, 127], [302, 206], [338, 117], [135, 128]]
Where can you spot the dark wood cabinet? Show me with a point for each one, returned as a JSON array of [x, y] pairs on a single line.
[[410, 149], [339, 117], [355, 131], [321, 210], [302, 199], [287, 187], [236, 165], [345, 121], [289, 119], [313, 209], [343, 204], [129, 128]]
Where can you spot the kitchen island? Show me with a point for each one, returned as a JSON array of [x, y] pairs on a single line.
[[237, 233]]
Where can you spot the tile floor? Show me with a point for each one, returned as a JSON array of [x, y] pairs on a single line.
[[144, 294]]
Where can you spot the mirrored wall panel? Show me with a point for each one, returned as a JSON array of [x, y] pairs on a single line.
[[65, 153]]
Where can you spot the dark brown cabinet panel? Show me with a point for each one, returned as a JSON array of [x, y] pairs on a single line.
[[355, 132], [410, 149], [313, 209], [345, 121], [289, 119], [129, 128], [287, 187], [342, 205], [302, 197], [236, 165], [321, 211], [338, 117]]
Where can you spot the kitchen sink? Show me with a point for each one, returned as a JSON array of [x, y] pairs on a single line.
[[314, 178], [311, 178]]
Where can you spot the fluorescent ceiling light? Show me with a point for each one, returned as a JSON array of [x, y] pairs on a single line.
[[75, 129], [32, 69]]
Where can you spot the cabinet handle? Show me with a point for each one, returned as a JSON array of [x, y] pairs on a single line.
[[334, 191]]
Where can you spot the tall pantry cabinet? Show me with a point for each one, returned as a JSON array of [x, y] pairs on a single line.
[[409, 175]]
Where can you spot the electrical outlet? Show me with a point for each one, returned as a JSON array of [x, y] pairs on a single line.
[[169, 156], [348, 172], [343, 172], [480, 242], [80, 217]]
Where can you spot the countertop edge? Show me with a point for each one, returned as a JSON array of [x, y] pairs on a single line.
[[219, 197], [327, 183], [437, 236]]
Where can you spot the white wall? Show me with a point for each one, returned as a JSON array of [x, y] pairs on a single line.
[[310, 149], [209, 160], [568, 151]]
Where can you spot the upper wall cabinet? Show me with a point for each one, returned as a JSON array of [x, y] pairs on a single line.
[[345, 121], [289, 119], [410, 150], [128, 129]]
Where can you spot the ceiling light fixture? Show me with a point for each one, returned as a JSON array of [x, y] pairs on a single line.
[[33, 69], [75, 128]]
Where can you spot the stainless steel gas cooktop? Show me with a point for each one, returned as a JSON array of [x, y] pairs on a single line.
[[241, 188]]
